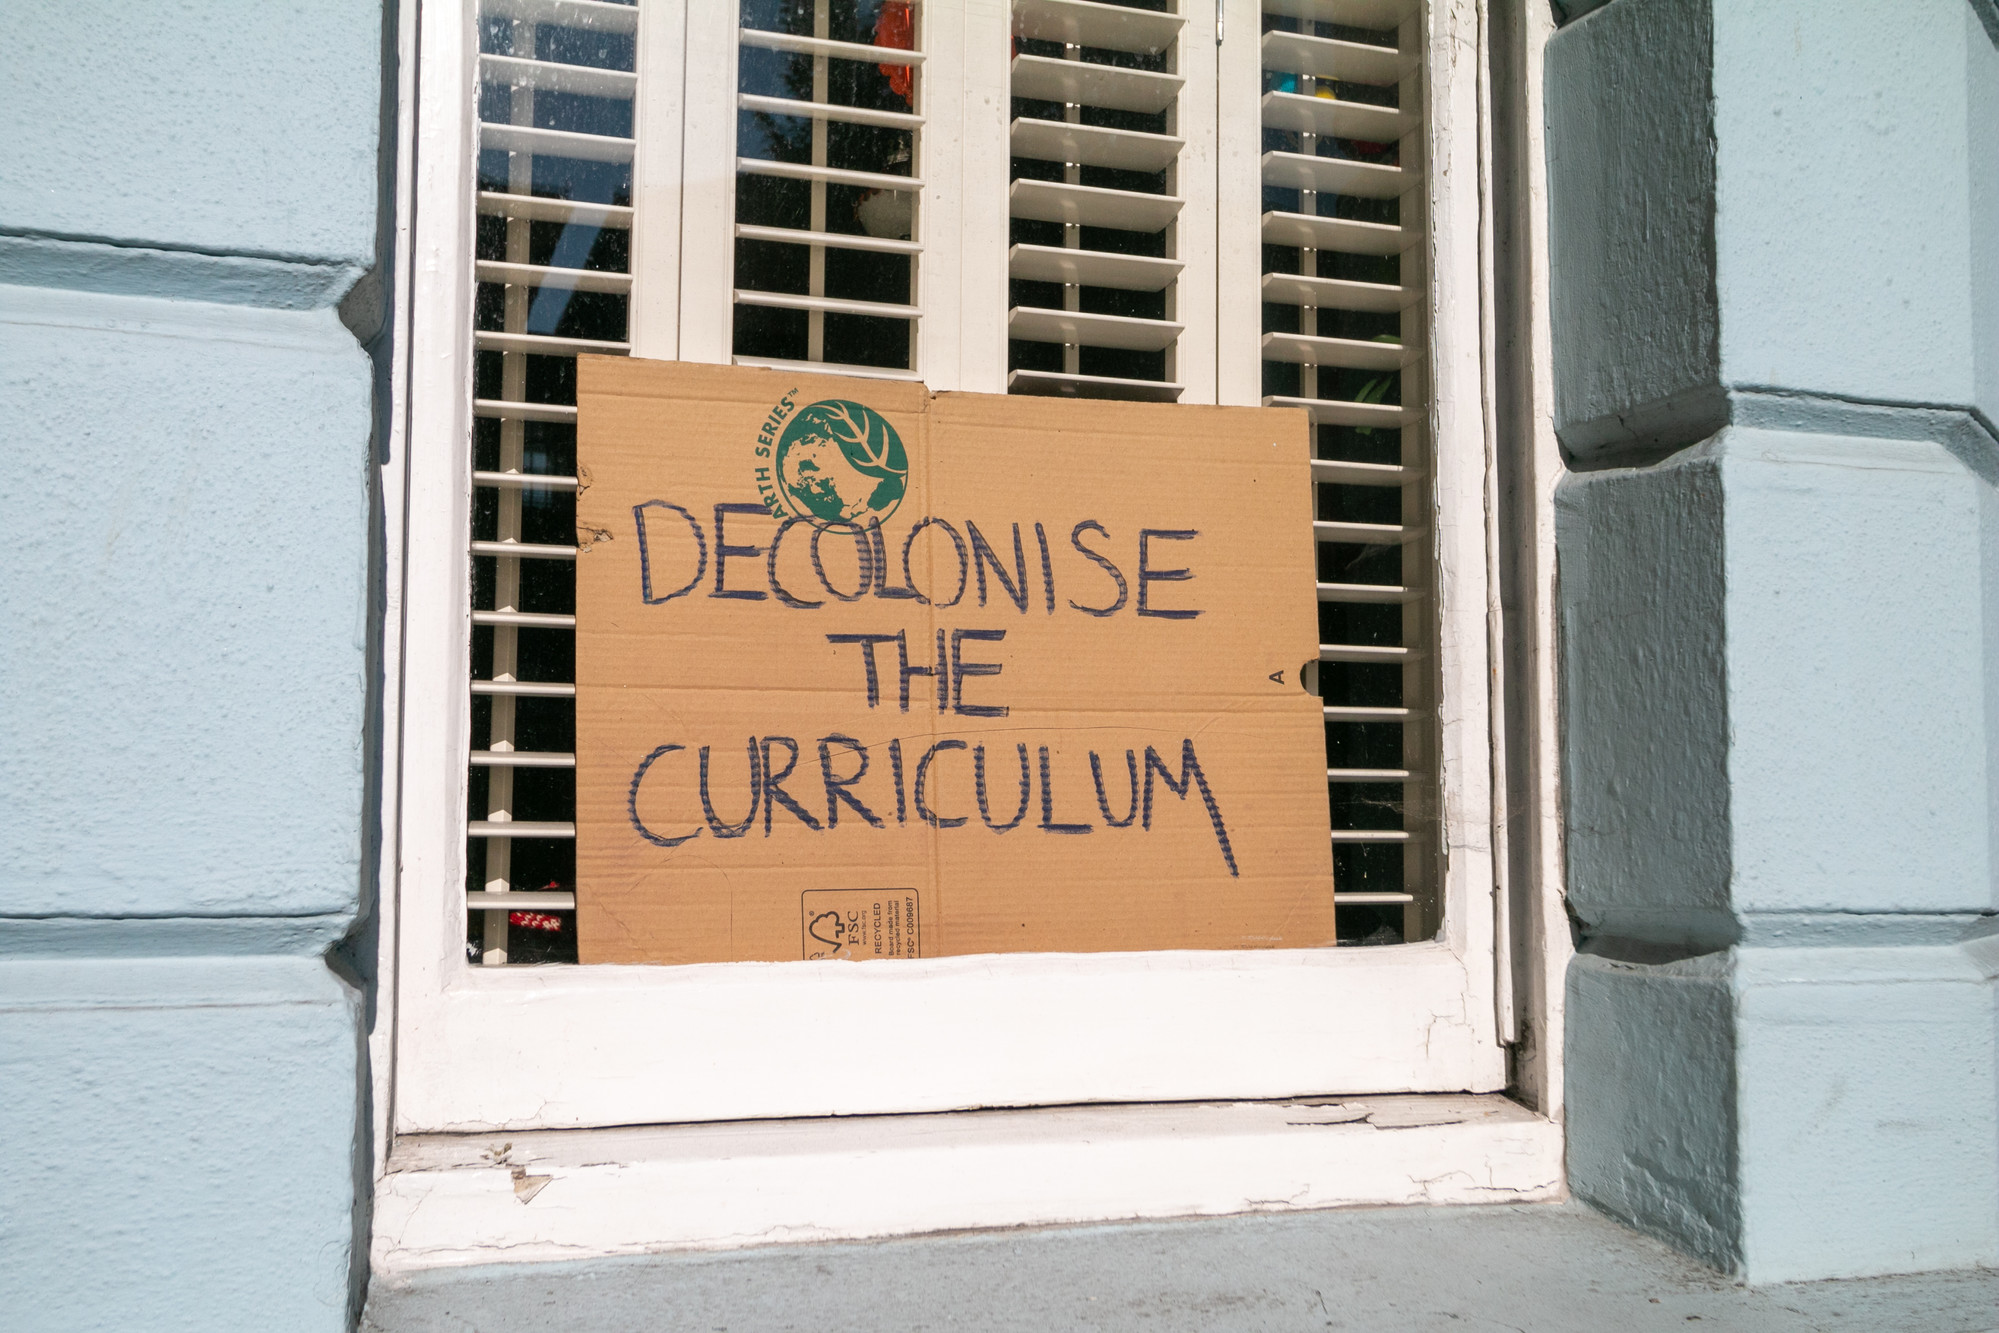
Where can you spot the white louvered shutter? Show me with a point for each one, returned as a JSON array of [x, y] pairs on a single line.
[[828, 196], [1096, 200], [557, 96], [1345, 308]]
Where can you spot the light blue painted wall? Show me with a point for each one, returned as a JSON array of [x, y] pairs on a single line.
[[1981, 113], [1649, 841], [181, 1143], [189, 191], [1867, 1105], [195, 125], [1844, 236], [1798, 197], [196, 607], [1856, 672], [1781, 1049], [1780, 652], [1635, 325], [1659, 1115]]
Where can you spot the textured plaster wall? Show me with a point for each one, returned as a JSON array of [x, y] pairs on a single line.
[[1781, 1048], [1856, 670], [1779, 614], [180, 1135], [196, 126], [1784, 196], [1981, 113], [1635, 324], [1652, 1124], [196, 607], [1867, 1104], [1649, 845], [188, 193], [1849, 272]]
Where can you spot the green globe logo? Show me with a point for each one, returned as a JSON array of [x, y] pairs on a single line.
[[841, 463]]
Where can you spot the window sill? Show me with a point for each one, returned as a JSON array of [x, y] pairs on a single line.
[[450, 1199]]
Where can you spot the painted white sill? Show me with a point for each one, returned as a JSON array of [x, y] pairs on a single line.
[[450, 1199]]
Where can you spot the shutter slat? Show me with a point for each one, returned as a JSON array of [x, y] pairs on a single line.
[[1037, 324], [522, 759], [1337, 175], [548, 76], [1331, 412], [1375, 594], [524, 481], [1046, 79], [1093, 145], [1092, 206], [524, 619], [1337, 293], [561, 279], [513, 828], [520, 900], [833, 304], [1086, 23], [1335, 118], [496, 203], [545, 344], [1055, 383], [822, 46], [827, 368], [531, 689], [850, 115], [588, 14], [805, 171], [1106, 26], [556, 143], [832, 240], [1342, 234], [1377, 14], [1306, 350], [505, 410], [524, 550], [1091, 268], [1365, 534], [1363, 652], [1327, 58], [1344, 473]]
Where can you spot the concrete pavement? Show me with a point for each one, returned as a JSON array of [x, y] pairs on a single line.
[[1530, 1269]]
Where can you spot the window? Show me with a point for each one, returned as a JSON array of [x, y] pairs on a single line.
[[1154, 199]]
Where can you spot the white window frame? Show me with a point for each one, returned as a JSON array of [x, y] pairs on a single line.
[[466, 1048]]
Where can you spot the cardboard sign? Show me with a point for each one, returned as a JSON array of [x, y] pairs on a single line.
[[865, 672]]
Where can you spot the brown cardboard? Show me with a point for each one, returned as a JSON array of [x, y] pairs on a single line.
[[689, 653]]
